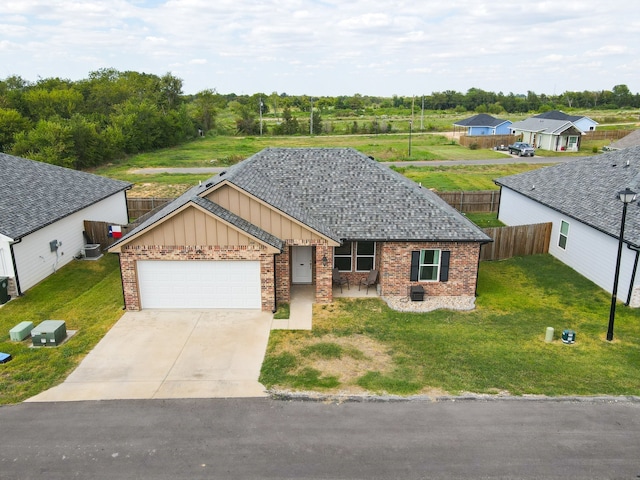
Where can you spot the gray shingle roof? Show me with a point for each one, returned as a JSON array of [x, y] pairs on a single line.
[[586, 190], [630, 140], [559, 115], [342, 194], [481, 120], [36, 194], [543, 125]]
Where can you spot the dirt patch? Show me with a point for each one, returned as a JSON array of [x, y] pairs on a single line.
[[158, 190], [361, 355]]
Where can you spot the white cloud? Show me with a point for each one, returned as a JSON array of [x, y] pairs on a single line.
[[331, 47]]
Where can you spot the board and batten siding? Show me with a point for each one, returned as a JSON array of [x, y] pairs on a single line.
[[34, 259], [192, 226], [589, 251], [260, 214]]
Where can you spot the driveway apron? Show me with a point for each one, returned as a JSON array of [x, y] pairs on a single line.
[[172, 354]]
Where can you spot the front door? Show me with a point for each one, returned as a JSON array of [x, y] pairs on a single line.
[[301, 264]]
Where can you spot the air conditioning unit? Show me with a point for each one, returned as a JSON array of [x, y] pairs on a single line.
[[92, 250], [417, 293]]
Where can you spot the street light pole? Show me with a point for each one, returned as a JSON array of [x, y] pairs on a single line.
[[626, 196]]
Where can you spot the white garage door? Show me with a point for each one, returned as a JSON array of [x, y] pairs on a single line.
[[199, 284]]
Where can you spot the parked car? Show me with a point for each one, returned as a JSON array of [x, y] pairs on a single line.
[[502, 147], [522, 149]]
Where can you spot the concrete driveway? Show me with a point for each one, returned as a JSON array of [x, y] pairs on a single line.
[[172, 354]]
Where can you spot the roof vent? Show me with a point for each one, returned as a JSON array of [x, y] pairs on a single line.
[[208, 184], [626, 164], [221, 174]]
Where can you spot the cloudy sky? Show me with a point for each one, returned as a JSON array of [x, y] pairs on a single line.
[[331, 47]]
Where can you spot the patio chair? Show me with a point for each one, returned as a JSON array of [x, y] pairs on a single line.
[[371, 279], [340, 280]]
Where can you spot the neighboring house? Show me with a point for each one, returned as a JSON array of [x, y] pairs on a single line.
[[42, 213], [288, 216], [630, 140], [483, 124], [580, 199], [549, 134], [583, 123]]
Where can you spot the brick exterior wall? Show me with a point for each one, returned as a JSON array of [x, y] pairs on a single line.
[[324, 274], [131, 254], [395, 268]]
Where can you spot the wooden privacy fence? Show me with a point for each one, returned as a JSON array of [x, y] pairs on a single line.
[[486, 141], [139, 206], [606, 134], [480, 201], [472, 201], [98, 232], [516, 241]]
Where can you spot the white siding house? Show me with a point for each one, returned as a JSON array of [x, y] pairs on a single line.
[[580, 198], [42, 216], [587, 250]]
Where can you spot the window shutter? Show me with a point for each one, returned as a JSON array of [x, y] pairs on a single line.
[[415, 265], [444, 265]]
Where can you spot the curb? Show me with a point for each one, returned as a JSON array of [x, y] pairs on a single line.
[[337, 398]]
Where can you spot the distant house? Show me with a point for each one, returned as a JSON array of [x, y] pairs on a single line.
[[484, 124], [284, 217], [549, 134], [580, 121], [580, 199], [42, 213]]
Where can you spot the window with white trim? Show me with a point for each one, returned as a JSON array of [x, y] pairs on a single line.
[[564, 235], [429, 266]]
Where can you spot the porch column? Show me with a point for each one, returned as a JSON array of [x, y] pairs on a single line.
[[324, 266]]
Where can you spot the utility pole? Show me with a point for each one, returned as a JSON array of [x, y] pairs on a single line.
[[261, 116], [422, 116], [311, 119]]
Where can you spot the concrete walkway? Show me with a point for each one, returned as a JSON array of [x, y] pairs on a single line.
[[172, 354], [300, 309]]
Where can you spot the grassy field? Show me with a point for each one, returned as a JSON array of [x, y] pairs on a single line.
[[224, 151], [360, 345], [88, 296]]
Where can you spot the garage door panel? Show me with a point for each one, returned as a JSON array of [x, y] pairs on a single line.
[[199, 284]]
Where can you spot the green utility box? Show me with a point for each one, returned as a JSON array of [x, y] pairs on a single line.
[[49, 333], [21, 331], [4, 290]]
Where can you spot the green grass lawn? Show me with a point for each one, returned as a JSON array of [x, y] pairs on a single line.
[[87, 295], [498, 347]]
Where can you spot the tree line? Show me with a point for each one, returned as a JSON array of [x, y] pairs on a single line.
[[86, 123]]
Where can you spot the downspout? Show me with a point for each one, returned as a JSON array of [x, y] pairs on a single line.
[[633, 273], [124, 299], [15, 266], [275, 285]]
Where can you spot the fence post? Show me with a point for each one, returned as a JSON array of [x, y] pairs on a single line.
[[461, 199]]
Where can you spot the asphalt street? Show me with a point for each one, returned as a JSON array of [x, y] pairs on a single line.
[[269, 439]]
